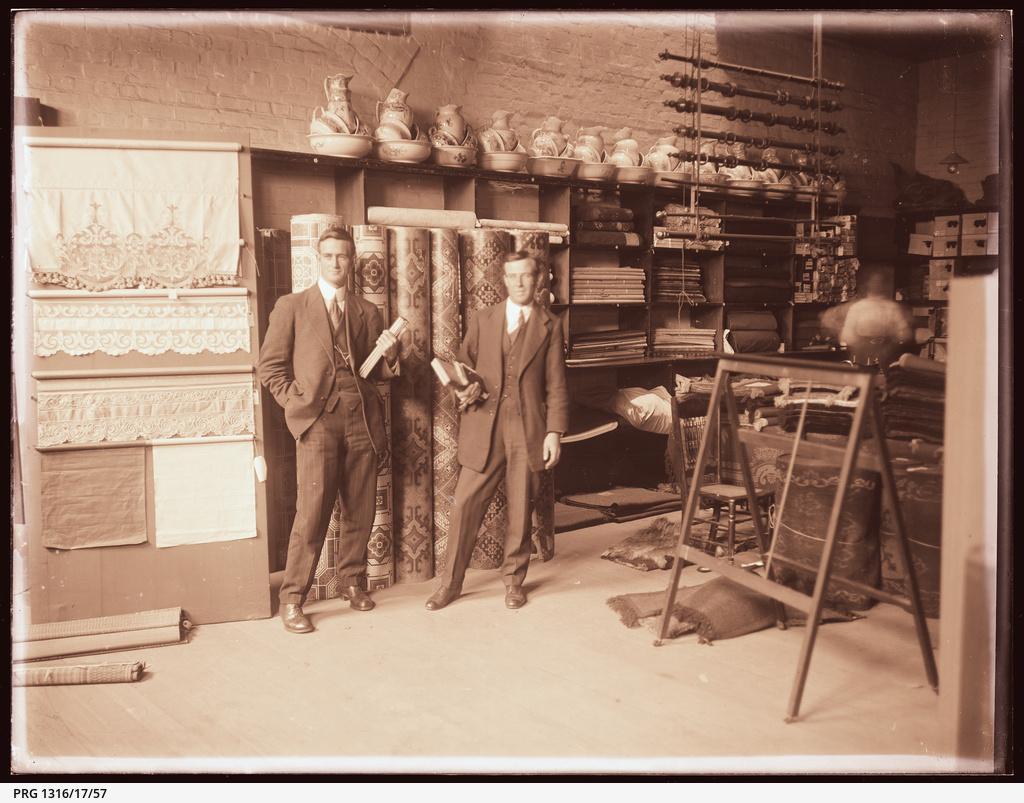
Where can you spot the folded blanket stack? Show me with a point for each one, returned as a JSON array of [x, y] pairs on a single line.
[[605, 224], [594, 346], [607, 285], [678, 219], [683, 342], [752, 331], [914, 402], [678, 284]]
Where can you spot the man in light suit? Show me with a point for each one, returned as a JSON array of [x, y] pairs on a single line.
[[516, 347], [310, 359]]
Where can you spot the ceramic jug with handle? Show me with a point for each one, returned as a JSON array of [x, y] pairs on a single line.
[[394, 109], [626, 152], [449, 119], [339, 102], [548, 140]]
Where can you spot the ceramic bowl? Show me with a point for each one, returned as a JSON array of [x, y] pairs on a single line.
[[670, 178], [505, 161], [454, 155], [354, 146], [552, 166], [634, 175], [392, 130], [596, 171], [401, 150]]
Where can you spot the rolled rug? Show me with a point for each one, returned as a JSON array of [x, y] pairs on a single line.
[[409, 287], [624, 238], [526, 225], [482, 254], [754, 341], [445, 340], [420, 218], [763, 320], [305, 231], [605, 212], [371, 282]]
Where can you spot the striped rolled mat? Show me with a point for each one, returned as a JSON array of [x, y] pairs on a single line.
[[409, 284], [445, 341], [371, 282], [76, 675], [537, 245], [482, 254], [305, 231]]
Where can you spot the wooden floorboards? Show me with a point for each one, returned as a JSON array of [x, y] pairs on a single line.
[[560, 683]]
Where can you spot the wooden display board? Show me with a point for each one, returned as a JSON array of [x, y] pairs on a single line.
[[213, 582]]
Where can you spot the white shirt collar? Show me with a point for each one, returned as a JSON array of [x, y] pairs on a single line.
[[328, 291], [512, 313]]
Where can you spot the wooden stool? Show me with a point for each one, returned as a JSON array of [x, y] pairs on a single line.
[[734, 499]]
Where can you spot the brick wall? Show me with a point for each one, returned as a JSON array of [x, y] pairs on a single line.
[[262, 73], [977, 119]]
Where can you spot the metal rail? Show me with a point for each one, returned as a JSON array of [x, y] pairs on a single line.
[[729, 137], [706, 64], [779, 97], [747, 116]]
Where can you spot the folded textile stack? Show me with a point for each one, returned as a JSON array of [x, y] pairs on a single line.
[[752, 330], [826, 278], [605, 224], [593, 346], [678, 284], [607, 285], [763, 289], [678, 219], [679, 342], [914, 402]]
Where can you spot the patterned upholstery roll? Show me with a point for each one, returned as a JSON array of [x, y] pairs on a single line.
[[801, 534], [445, 340], [920, 493], [537, 245], [371, 282], [409, 290], [305, 231], [482, 253]]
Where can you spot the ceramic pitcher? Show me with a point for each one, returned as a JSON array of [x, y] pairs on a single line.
[[626, 152], [394, 109], [590, 144], [548, 140], [339, 102], [449, 120]]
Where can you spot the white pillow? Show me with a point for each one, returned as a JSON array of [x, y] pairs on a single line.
[[648, 410]]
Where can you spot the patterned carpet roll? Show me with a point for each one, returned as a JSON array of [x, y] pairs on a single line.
[[445, 340], [305, 231], [409, 285], [482, 253], [801, 535], [747, 341], [371, 282], [537, 245], [920, 493]]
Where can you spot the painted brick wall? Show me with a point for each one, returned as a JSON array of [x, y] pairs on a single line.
[[262, 73], [977, 118]]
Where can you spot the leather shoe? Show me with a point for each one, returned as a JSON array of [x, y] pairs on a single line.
[[295, 621], [357, 598], [442, 597], [515, 597]]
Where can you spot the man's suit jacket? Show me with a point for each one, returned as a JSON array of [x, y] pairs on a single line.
[[296, 359], [539, 385]]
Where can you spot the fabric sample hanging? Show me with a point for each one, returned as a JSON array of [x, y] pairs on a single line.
[[203, 492], [149, 325], [409, 292], [93, 497], [107, 218], [119, 409], [371, 282]]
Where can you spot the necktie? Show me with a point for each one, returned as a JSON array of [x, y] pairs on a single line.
[[335, 311], [520, 323]]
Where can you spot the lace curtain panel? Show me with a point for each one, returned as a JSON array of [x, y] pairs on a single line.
[[203, 493], [118, 325], [114, 218], [119, 409]]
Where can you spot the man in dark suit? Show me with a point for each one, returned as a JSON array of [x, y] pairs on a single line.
[[310, 359], [516, 347]]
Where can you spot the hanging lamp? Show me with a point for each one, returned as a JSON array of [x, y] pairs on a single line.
[[953, 160]]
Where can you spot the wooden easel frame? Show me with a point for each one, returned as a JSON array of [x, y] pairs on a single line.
[[868, 408]]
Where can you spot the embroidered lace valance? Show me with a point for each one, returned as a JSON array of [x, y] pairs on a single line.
[[117, 217]]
